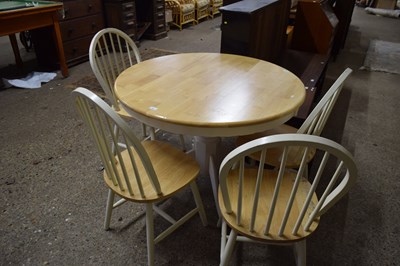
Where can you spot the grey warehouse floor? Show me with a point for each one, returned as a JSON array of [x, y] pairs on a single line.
[[52, 197]]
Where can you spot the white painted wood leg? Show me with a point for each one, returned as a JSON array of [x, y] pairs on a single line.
[[109, 208], [300, 253], [150, 234], [206, 147], [228, 248], [213, 172]]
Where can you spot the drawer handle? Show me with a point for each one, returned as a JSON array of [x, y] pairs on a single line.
[[160, 15], [160, 7], [160, 26], [129, 23], [128, 6], [129, 15]]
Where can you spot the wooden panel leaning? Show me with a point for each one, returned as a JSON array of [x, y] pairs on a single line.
[[145, 172], [280, 207], [310, 49], [314, 27]]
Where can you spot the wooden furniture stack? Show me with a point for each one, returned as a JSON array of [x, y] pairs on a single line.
[[343, 10], [258, 29], [310, 49], [82, 19]]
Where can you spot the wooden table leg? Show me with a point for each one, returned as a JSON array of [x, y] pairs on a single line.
[[14, 44], [60, 47]]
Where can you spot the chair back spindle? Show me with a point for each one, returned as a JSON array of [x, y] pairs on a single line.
[[111, 52], [316, 120]]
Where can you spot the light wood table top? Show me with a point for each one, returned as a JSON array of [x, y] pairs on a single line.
[[210, 94]]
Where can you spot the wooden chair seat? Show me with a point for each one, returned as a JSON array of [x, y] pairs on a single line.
[[174, 170], [266, 191]]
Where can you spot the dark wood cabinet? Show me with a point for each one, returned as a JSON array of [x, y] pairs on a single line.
[[80, 20], [255, 28], [121, 14], [151, 15], [228, 2], [343, 10]]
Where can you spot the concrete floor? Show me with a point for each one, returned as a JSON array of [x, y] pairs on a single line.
[[52, 195]]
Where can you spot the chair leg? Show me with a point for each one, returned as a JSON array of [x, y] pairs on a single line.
[[152, 133], [150, 234], [144, 130], [228, 248], [182, 142], [109, 208], [223, 239], [300, 253], [199, 202], [213, 172]]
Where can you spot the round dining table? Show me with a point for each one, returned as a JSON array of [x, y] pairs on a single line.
[[209, 96]]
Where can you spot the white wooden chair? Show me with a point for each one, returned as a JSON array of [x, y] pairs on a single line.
[[280, 206], [111, 52], [313, 125], [143, 172]]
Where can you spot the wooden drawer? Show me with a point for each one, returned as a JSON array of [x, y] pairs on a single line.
[[77, 48], [159, 26], [76, 9], [72, 29], [128, 19], [121, 15], [159, 15], [128, 6], [159, 6]]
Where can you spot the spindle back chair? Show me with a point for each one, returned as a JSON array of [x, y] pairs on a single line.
[[146, 172], [280, 206], [313, 125]]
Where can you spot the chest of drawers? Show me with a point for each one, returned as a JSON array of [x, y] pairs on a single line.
[[121, 14], [80, 20], [153, 12]]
